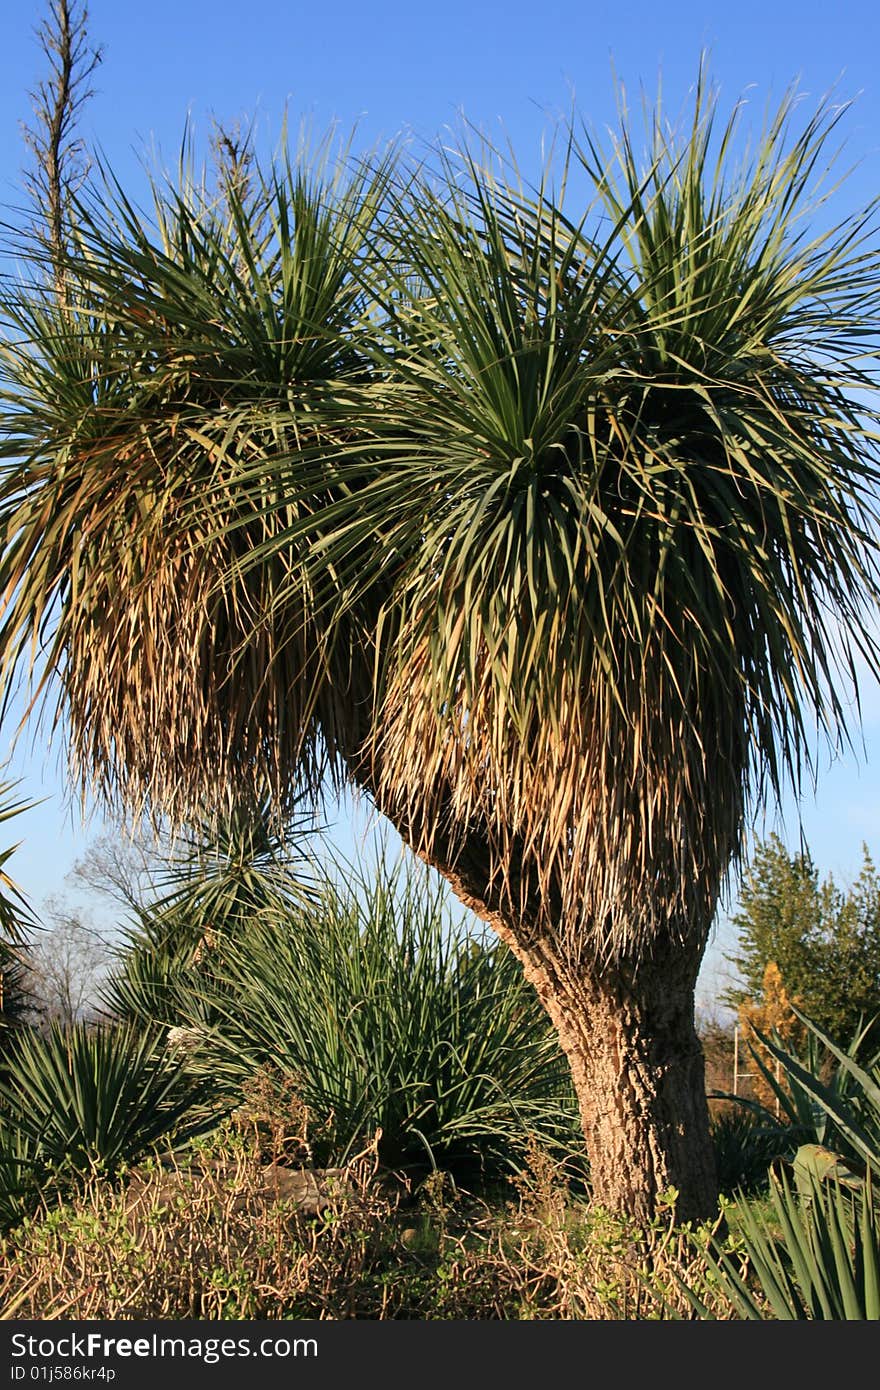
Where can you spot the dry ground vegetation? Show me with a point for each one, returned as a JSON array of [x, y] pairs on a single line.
[[217, 1234]]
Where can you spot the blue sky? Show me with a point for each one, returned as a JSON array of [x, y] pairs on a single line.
[[407, 67]]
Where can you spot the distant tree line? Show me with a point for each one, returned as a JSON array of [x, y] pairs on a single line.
[[822, 937]]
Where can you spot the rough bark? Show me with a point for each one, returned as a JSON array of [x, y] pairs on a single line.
[[638, 1071]]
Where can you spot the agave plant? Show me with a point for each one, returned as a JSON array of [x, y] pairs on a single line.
[[818, 1258], [817, 1254], [823, 1094], [849, 1102]]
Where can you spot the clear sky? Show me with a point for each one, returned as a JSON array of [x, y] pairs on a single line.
[[396, 67]]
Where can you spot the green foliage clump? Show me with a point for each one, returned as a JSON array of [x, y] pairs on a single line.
[[81, 1101], [745, 1144], [813, 1251], [217, 877], [391, 1019]]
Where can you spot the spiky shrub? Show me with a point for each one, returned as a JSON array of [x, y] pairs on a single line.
[[748, 1134], [157, 974], [830, 1095], [21, 1174], [816, 1253], [551, 532], [745, 1144], [824, 1266], [820, 1093], [386, 1016], [81, 1101]]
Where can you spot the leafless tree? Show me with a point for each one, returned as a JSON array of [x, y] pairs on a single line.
[[64, 966], [122, 868]]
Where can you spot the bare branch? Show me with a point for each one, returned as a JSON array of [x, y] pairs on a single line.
[[233, 159], [60, 162]]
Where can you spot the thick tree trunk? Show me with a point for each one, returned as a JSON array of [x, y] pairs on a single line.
[[638, 1071]]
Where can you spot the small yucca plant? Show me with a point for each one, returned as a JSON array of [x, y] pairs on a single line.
[[81, 1100], [218, 876]]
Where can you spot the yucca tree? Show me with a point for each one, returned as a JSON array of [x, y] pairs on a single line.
[[551, 534]]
